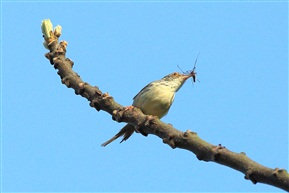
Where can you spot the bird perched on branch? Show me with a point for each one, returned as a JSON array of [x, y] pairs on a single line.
[[154, 99]]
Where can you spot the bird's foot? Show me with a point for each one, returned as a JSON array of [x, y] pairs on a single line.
[[151, 117], [128, 108], [117, 114], [137, 129]]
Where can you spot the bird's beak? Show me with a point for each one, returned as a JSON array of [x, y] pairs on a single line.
[[186, 76]]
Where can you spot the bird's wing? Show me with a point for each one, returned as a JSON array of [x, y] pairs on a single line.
[[147, 86]]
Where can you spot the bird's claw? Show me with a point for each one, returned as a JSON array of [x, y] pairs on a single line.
[[128, 108]]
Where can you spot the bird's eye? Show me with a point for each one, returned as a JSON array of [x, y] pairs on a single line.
[[175, 74]]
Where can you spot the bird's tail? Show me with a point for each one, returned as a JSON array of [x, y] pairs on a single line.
[[126, 132]]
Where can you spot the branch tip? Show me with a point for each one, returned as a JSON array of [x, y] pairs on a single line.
[[50, 35]]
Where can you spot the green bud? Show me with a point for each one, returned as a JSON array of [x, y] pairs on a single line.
[[46, 27], [57, 31]]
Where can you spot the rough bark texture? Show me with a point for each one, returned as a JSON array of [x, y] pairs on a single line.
[[151, 125]]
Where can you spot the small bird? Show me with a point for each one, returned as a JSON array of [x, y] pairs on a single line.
[[154, 99]]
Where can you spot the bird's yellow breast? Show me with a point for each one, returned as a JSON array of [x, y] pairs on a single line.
[[155, 101]]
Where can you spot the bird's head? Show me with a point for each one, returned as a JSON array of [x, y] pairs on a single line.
[[175, 80]]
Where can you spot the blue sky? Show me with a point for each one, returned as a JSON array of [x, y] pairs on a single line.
[[51, 138]]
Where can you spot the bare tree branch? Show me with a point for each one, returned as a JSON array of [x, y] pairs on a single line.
[[151, 125]]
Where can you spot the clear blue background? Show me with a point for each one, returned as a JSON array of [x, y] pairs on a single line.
[[51, 137]]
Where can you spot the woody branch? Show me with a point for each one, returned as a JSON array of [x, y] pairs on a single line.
[[151, 125]]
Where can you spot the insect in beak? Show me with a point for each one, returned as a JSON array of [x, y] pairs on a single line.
[[192, 73]]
